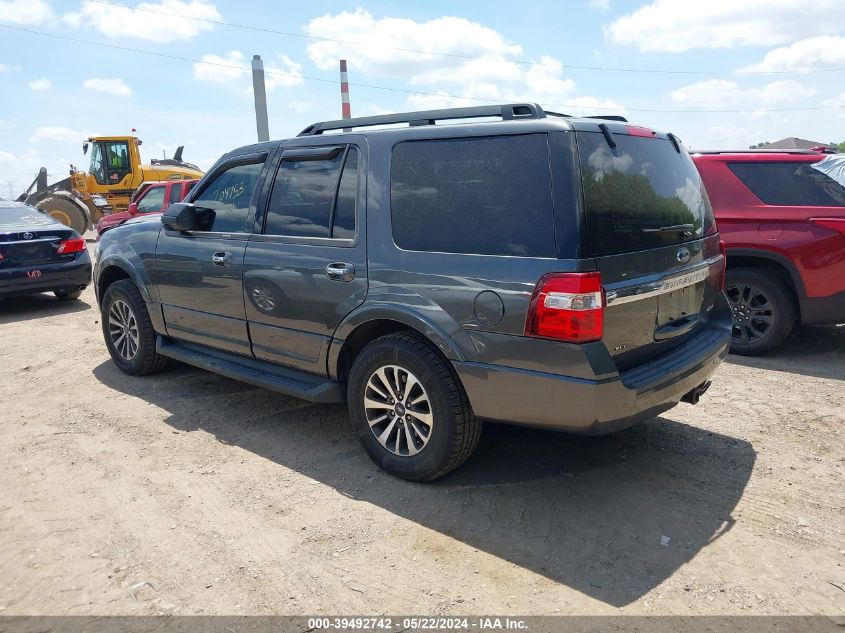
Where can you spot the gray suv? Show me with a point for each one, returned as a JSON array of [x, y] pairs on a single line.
[[515, 265]]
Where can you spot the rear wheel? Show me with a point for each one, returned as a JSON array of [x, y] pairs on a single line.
[[409, 410], [128, 331], [66, 212], [762, 309]]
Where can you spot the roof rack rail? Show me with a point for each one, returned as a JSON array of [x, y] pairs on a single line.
[[607, 117], [509, 112], [755, 151]]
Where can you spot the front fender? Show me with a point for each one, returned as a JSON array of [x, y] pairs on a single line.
[[130, 248]]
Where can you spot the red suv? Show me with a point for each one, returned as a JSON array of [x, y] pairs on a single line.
[[150, 197], [782, 219]]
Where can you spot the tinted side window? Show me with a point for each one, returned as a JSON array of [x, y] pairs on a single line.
[[315, 198], [487, 196], [229, 195], [175, 193], [152, 201], [790, 184]]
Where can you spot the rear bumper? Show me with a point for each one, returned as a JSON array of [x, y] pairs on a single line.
[[823, 310], [59, 276], [594, 407]]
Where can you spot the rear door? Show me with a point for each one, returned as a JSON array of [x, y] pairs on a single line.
[[199, 273], [306, 266], [650, 228]]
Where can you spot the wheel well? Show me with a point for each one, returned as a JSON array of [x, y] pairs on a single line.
[[769, 266], [364, 334], [108, 277]]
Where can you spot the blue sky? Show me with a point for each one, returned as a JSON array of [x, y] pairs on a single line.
[[779, 65]]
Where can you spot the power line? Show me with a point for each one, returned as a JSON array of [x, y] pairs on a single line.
[[521, 62], [397, 90]]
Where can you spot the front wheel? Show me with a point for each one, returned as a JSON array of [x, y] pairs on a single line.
[[128, 331], [762, 310], [409, 410]]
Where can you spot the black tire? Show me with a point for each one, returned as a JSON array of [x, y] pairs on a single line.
[[67, 295], [763, 310], [145, 360], [455, 431], [66, 212]]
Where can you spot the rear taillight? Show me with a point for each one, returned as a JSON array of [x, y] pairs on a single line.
[[723, 272], [567, 307], [834, 224], [76, 245]]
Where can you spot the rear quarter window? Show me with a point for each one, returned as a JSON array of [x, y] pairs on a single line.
[[636, 188], [790, 184], [485, 196]]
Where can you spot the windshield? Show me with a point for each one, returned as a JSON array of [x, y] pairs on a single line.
[[635, 191]]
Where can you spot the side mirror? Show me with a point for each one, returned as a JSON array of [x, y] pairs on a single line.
[[133, 209], [184, 216]]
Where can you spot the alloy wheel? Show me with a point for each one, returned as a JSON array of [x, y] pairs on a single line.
[[752, 313], [398, 410], [123, 329]]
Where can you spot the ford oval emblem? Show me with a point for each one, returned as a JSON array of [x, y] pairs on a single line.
[[683, 255], [28, 235]]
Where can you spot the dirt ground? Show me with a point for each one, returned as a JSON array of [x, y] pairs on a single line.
[[228, 499]]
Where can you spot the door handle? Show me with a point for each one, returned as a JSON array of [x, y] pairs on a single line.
[[222, 259], [340, 271]]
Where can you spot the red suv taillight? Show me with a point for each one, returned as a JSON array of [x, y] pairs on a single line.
[[724, 271], [567, 307], [75, 245], [834, 224]]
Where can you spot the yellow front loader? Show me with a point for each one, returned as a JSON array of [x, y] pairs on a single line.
[[115, 171]]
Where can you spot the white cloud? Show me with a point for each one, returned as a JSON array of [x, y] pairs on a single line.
[[114, 86], [9, 68], [40, 85], [24, 11], [166, 21], [600, 5], [58, 135], [479, 65], [221, 70], [282, 72], [680, 25], [721, 94], [826, 51], [380, 38]]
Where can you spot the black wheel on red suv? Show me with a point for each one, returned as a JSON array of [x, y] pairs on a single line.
[[762, 310]]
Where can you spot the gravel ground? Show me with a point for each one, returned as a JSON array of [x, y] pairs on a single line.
[[226, 499]]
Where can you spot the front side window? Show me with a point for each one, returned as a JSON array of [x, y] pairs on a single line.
[[484, 196], [790, 184], [228, 197], [98, 167], [152, 201], [315, 198]]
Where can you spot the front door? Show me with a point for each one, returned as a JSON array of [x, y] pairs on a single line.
[[199, 273], [306, 266]]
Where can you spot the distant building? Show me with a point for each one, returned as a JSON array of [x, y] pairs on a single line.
[[792, 142]]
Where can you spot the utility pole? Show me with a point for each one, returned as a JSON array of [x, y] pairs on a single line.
[[260, 94]]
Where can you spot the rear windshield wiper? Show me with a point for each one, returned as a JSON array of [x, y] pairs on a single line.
[[687, 230]]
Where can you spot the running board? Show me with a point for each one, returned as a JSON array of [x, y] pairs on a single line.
[[255, 372]]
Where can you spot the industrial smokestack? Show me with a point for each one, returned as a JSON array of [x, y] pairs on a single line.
[[260, 93], [345, 108]]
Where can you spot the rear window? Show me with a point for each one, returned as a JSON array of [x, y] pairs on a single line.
[[790, 184], [637, 188], [16, 216], [485, 196]]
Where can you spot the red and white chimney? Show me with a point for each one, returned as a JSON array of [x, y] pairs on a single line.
[[346, 109]]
